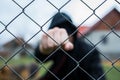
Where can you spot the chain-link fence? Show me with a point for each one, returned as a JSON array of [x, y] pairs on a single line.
[[17, 59]]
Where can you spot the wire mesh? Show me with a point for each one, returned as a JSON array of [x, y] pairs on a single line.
[[24, 7]]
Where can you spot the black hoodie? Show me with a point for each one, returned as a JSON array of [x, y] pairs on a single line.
[[81, 63]]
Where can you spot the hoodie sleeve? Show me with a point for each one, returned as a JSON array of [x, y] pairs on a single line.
[[39, 55]]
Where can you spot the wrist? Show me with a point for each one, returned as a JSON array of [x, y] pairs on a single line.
[[44, 51]]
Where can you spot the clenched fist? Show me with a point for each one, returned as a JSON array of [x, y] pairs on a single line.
[[60, 36]]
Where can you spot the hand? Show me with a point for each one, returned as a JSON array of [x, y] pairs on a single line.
[[59, 35]]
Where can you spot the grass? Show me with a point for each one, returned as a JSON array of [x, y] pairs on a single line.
[[112, 73]]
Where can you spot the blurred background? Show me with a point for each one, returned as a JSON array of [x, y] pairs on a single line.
[[22, 22]]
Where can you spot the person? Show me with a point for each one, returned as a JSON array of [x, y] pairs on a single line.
[[73, 58]]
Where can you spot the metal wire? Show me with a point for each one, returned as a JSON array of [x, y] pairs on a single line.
[[23, 11]]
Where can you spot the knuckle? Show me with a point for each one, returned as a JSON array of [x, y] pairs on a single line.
[[50, 31], [44, 35], [51, 46], [56, 28], [63, 30]]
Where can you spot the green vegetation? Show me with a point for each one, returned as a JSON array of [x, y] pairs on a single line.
[[112, 73]]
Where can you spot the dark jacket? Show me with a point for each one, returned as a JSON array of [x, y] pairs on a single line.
[[81, 63]]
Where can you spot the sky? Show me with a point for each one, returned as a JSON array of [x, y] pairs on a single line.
[[41, 11]]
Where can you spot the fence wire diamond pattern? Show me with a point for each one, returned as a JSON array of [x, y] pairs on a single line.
[[21, 9]]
